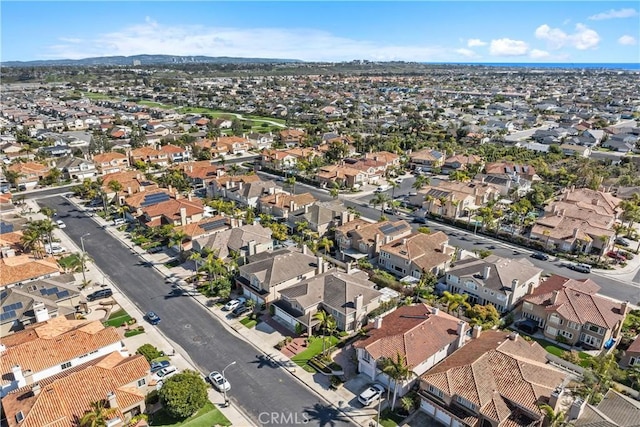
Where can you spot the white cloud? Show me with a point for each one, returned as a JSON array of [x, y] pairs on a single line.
[[582, 39], [539, 54], [151, 37], [627, 40], [612, 13], [467, 53], [508, 47], [475, 43]]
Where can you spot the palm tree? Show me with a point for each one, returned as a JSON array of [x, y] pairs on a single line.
[[291, 182], [420, 182], [633, 373], [30, 239], [48, 212], [196, 257], [98, 415], [381, 200], [116, 187], [326, 244], [555, 419], [334, 192], [46, 227], [176, 239], [122, 210], [454, 301], [323, 319], [399, 371], [393, 184]]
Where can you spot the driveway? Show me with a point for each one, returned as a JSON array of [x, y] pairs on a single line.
[[420, 419]]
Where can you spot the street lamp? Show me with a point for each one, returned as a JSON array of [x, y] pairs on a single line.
[[224, 387], [379, 403], [84, 254]]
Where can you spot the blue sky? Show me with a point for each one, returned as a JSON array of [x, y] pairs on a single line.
[[424, 31]]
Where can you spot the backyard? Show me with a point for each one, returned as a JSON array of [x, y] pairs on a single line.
[[558, 351]]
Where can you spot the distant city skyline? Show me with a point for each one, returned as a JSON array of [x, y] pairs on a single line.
[[327, 31]]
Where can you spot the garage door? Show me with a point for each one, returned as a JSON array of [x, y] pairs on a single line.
[[427, 407], [457, 423], [443, 417]]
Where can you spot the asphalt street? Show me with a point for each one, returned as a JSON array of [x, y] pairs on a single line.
[[257, 388]]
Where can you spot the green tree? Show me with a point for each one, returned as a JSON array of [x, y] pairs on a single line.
[[278, 231], [324, 321], [420, 182], [326, 244], [399, 371], [177, 238], [291, 182], [183, 394], [554, 419], [380, 199], [98, 415], [116, 187], [454, 301], [149, 352], [483, 315], [48, 212], [334, 192]]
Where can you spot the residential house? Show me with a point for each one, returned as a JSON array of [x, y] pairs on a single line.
[[631, 356], [461, 162], [348, 298], [496, 379], [291, 137], [341, 176], [416, 254], [149, 155], [75, 168], [363, 239], [278, 159], [204, 228], [575, 150], [243, 240], [61, 400], [24, 268], [243, 189], [132, 182], [111, 162], [173, 212], [37, 301], [426, 160], [176, 154], [322, 216], [423, 335], [571, 311], [260, 141], [507, 176], [200, 173], [580, 220], [232, 145], [501, 282], [388, 159], [267, 273], [453, 199], [281, 205], [614, 410], [57, 150], [29, 174], [51, 347]]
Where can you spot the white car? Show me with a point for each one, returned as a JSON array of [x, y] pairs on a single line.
[[61, 224], [234, 303], [371, 394], [55, 249], [219, 382], [165, 373]]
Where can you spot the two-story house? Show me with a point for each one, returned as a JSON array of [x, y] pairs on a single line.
[[291, 137], [571, 311], [243, 189], [426, 160], [496, 379], [28, 174], [149, 155], [452, 199], [342, 176], [119, 381], [416, 254], [281, 205], [24, 268], [322, 216], [348, 298], [111, 162], [461, 162], [422, 334], [363, 239], [267, 273], [502, 282], [76, 168], [173, 212], [244, 240], [176, 154], [51, 347]]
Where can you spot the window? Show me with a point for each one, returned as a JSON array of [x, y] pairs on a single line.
[[634, 361], [65, 365], [565, 334], [141, 382], [596, 329], [464, 402], [574, 325], [435, 391], [366, 356], [590, 340]]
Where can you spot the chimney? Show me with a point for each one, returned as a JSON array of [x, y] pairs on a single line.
[[554, 297], [358, 302], [435, 311], [555, 397], [18, 377], [624, 306], [462, 333], [577, 408], [377, 323], [349, 267], [476, 331], [35, 389], [111, 398], [170, 188], [514, 284], [320, 264], [129, 191], [485, 272], [277, 198], [530, 288], [305, 250], [358, 226], [138, 177], [183, 216], [306, 208], [189, 197], [42, 313], [513, 336], [252, 247]]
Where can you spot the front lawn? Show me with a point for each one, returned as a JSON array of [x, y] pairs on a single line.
[[133, 332], [69, 262], [313, 349], [117, 318], [172, 263], [249, 322], [207, 416], [390, 419]]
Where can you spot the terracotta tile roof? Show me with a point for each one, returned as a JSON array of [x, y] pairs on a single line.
[[172, 149], [413, 331], [21, 268], [337, 171], [66, 397], [283, 200], [44, 351], [570, 229], [426, 250], [136, 200], [108, 157], [382, 156], [197, 229], [222, 181], [171, 208], [144, 152], [576, 301], [496, 373], [29, 168]]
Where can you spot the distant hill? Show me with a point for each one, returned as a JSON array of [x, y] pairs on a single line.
[[146, 60]]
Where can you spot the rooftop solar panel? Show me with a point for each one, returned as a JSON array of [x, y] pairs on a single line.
[[62, 294], [7, 316]]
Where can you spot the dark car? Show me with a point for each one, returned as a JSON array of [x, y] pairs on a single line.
[[622, 241], [152, 318], [240, 310], [156, 366], [102, 293], [540, 255]]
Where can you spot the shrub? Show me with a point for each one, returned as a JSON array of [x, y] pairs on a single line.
[[149, 352], [272, 310], [571, 356], [152, 398], [183, 394]]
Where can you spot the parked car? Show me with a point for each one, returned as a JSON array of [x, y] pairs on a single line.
[[622, 241], [156, 366], [371, 394], [231, 305], [240, 310], [119, 221], [165, 373], [152, 318], [219, 382], [381, 188], [54, 248], [102, 293], [540, 255], [61, 223], [582, 268], [616, 255]]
